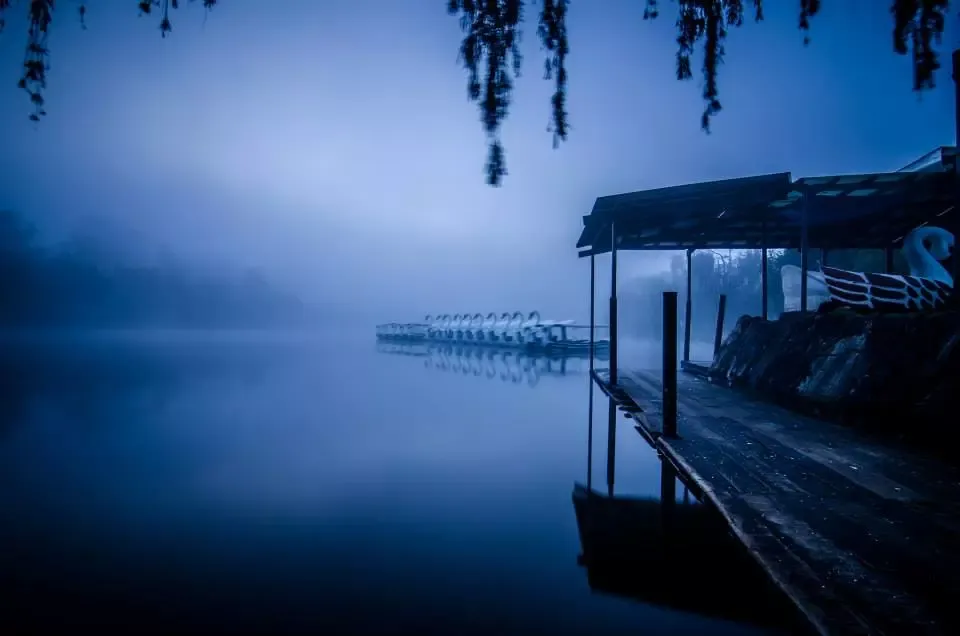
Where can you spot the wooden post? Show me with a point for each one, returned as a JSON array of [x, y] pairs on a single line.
[[670, 364], [590, 438], [804, 248], [823, 256], [668, 483], [593, 312], [956, 96], [718, 336], [956, 166], [611, 444], [764, 285], [688, 308], [888, 260], [764, 281], [613, 304]]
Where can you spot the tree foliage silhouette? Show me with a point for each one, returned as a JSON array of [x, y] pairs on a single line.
[[36, 60], [491, 56], [491, 29]]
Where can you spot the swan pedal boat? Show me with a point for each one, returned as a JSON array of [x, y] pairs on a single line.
[[928, 286]]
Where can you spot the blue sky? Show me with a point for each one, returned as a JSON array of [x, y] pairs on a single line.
[[331, 143]]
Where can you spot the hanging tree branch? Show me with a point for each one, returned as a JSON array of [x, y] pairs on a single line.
[[918, 25], [491, 39], [491, 42], [36, 61]]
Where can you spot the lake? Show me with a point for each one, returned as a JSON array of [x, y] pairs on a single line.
[[268, 483]]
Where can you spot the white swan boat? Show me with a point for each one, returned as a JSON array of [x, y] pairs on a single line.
[[508, 330], [929, 286]]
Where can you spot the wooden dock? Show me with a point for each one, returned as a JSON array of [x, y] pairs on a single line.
[[862, 536]]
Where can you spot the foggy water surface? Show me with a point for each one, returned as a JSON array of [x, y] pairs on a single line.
[[244, 482]]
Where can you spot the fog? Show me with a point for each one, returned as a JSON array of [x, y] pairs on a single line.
[[330, 146]]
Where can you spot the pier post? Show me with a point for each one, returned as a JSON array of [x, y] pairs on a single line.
[[590, 436], [593, 320], [804, 248], [613, 304], [955, 60], [888, 260], [764, 275], [955, 225], [670, 364], [688, 308], [668, 498], [668, 483], [611, 444], [718, 336], [764, 285]]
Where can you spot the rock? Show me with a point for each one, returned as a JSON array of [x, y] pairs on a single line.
[[872, 367]]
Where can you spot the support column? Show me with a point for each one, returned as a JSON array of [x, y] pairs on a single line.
[[611, 445], [764, 284], [590, 437], [613, 304], [718, 335], [804, 248], [688, 308], [956, 96], [955, 213], [668, 484], [888, 260], [764, 280], [669, 405], [823, 257], [593, 312]]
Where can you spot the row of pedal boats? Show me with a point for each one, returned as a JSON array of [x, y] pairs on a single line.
[[506, 328]]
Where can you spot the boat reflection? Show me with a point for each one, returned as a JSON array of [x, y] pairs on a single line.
[[673, 552], [507, 365]]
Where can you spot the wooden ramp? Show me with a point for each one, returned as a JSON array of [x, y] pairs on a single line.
[[864, 537]]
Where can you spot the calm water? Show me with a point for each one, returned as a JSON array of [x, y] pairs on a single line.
[[244, 483]]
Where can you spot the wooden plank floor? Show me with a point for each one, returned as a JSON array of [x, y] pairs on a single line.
[[864, 537]]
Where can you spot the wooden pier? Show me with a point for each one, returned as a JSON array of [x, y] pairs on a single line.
[[863, 537]]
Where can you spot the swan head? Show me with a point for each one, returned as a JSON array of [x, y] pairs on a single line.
[[935, 240], [924, 248], [941, 244]]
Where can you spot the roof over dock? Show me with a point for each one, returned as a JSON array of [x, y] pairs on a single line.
[[873, 210]]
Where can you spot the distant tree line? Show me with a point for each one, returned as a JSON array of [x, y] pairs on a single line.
[[735, 274], [74, 285]]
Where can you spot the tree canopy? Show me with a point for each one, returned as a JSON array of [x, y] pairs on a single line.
[[491, 55]]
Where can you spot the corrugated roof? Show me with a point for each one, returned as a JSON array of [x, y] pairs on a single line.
[[843, 211]]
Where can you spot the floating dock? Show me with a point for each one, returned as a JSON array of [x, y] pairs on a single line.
[[513, 331]]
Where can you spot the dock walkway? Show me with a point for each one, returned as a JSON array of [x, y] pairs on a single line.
[[863, 537]]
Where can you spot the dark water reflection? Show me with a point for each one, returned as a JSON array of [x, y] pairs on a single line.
[[245, 483]]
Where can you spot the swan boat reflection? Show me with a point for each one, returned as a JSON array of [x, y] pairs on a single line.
[[507, 365], [513, 331]]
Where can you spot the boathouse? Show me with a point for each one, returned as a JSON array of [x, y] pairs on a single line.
[[858, 531], [775, 211]]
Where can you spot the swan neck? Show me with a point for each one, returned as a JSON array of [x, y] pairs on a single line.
[[920, 261]]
